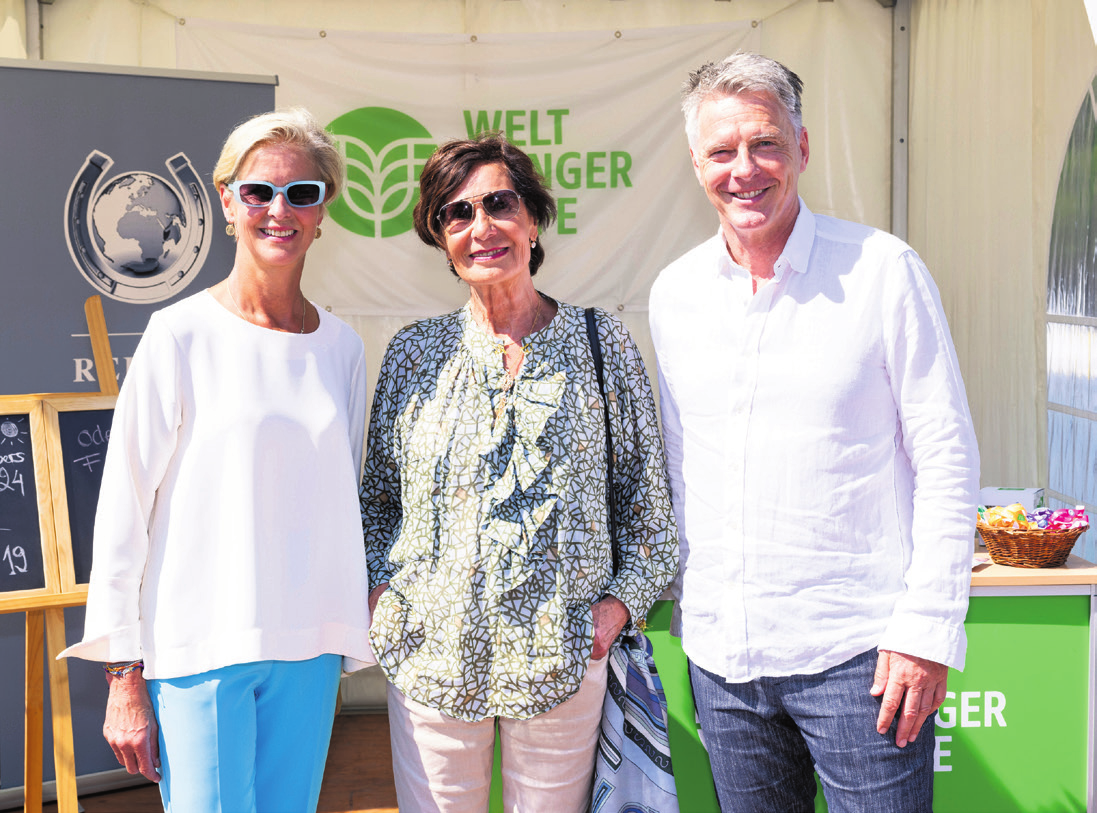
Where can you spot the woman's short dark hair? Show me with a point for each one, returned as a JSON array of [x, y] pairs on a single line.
[[450, 166]]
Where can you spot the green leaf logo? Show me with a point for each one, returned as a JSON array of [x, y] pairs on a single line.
[[385, 151]]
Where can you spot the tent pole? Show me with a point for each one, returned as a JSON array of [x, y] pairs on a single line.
[[900, 108]]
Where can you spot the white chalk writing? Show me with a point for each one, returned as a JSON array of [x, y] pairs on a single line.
[[11, 555], [11, 482]]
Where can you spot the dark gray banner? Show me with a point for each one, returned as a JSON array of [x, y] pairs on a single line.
[[106, 190]]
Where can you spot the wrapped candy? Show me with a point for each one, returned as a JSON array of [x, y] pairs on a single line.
[[1041, 516], [1015, 517], [1008, 516], [1066, 518]]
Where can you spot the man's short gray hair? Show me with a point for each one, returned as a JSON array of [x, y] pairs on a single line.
[[741, 73]]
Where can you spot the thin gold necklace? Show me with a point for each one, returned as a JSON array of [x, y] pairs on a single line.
[[510, 378], [504, 342], [304, 309]]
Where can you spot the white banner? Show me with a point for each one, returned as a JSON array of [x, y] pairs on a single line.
[[598, 112]]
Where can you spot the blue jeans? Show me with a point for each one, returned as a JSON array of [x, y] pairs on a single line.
[[250, 737], [766, 738]]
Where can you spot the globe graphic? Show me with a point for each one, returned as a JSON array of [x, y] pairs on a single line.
[[138, 223]]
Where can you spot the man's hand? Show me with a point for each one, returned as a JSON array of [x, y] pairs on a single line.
[[130, 727], [610, 616], [917, 684]]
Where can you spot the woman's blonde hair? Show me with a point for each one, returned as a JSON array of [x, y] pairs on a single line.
[[294, 126]]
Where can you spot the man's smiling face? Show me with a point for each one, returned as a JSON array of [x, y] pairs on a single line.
[[748, 157]]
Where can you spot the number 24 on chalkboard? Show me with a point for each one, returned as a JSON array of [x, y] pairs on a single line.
[[11, 482]]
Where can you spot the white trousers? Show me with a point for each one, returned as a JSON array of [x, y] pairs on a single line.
[[443, 764]]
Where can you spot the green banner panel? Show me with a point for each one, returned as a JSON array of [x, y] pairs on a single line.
[[1011, 735]]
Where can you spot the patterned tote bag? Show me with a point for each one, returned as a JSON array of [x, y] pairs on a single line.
[[632, 771]]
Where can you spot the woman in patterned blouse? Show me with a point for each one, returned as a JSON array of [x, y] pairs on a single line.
[[484, 507]]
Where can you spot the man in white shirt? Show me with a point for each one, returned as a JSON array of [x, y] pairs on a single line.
[[824, 472]]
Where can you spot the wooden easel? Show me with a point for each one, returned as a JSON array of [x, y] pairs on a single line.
[[46, 634]]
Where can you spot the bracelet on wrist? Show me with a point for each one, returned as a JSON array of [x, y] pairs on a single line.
[[123, 669]]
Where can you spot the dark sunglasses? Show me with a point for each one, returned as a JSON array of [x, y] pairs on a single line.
[[502, 204], [300, 194]]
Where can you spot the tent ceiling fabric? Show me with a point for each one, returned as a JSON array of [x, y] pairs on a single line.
[[995, 87]]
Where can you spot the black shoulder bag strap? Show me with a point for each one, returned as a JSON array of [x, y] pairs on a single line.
[[596, 352]]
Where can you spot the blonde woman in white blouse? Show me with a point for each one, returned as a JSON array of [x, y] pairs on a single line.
[[228, 583]]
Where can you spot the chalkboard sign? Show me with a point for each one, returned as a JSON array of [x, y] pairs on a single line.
[[79, 428], [84, 437], [27, 555]]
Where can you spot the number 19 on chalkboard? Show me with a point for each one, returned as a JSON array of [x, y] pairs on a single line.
[[16, 558]]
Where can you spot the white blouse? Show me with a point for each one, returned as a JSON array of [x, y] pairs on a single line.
[[227, 529]]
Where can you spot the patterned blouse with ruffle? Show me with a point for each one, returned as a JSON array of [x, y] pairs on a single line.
[[484, 507]]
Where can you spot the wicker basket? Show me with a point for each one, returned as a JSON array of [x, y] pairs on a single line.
[[1038, 548]]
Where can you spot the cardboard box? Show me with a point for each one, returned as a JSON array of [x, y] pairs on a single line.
[[1030, 498]]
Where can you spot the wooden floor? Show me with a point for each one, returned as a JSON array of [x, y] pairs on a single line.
[[357, 779]]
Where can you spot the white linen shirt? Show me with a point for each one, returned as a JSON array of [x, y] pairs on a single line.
[[227, 529], [822, 459]]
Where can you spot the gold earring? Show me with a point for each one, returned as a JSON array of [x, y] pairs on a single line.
[[318, 232], [230, 230]]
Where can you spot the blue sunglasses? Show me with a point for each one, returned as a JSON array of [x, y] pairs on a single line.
[[299, 194]]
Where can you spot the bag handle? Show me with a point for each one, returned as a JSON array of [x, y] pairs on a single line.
[[596, 352]]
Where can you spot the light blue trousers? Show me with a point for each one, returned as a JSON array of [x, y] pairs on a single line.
[[251, 738]]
